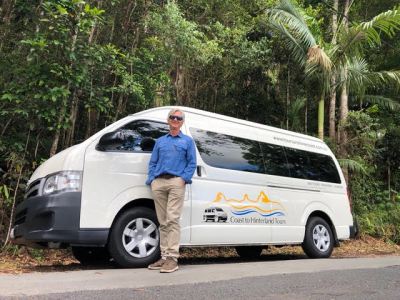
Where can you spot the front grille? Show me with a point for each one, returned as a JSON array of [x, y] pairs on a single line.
[[33, 189], [20, 217]]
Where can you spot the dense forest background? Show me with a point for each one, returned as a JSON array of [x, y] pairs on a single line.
[[326, 68]]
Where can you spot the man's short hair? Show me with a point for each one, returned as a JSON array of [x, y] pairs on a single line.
[[174, 110]]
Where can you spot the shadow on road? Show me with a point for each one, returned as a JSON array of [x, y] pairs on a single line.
[[196, 256]]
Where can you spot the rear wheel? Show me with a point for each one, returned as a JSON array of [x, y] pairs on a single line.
[[134, 238], [249, 251], [91, 255], [318, 239]]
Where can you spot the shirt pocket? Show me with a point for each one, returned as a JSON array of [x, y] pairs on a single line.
[[181, 149]]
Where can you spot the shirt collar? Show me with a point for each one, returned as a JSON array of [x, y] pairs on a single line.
[[180, 134]]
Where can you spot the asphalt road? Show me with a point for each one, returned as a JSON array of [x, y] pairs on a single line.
[[360, 278]]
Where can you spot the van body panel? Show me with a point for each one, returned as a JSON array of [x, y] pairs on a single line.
[[343, 232], [69, 159], [106, 177], [234, 198]]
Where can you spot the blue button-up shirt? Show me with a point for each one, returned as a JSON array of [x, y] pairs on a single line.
[[175, 155]]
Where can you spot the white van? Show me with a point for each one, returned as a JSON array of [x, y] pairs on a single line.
[[276, 187]]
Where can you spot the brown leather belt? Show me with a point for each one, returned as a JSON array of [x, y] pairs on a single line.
[[166, 176]]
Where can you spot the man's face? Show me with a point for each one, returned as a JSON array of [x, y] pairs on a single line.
[[175, 121]]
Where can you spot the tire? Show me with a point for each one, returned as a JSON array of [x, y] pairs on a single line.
[[249, 251], [318, 239], [91, 255], [134, 238]]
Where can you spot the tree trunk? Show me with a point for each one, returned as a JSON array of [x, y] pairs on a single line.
[[332, 95], [180, 84], [119, 107], [56, 138], [321, 112], [7, 8], [288, 98], [332, 110], [344, 100], [16, 191], [91, 124], [306, 117], [72, 119]]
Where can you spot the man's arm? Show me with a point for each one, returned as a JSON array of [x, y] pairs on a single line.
[[152, 164], [191, 162]]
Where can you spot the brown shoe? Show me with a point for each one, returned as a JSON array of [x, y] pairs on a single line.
[[169, 266], [157, 265]]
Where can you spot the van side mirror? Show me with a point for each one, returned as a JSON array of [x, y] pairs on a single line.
[[147, 144], [110, 140]]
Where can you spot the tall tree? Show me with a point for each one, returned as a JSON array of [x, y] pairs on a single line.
[[288, 20]]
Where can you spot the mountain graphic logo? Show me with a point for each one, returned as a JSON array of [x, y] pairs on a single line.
[[262, 205]]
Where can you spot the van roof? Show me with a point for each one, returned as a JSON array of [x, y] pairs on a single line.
[[230, 119]]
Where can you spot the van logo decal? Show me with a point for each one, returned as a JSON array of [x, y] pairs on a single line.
[[264, 206]]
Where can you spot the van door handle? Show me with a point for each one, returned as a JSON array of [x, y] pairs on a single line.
[[198, 168]]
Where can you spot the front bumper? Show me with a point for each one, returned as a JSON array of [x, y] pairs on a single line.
[[53, 221]]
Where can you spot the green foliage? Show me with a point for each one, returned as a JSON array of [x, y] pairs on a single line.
[[183, 38], [382, 220], [68, 68]]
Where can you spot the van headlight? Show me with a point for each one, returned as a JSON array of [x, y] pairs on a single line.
[[65, 181]]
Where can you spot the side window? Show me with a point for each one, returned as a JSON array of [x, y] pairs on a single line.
[[275, 160], [312, 166], [228, 152], [324, 167], [137, 136], [299, 164]]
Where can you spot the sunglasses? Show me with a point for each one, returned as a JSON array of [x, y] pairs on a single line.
[[176, 118]]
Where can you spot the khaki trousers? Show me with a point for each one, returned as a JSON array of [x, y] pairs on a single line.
[[169, 195]]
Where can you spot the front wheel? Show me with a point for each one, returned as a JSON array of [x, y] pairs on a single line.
[[134, 239], [318, 240]]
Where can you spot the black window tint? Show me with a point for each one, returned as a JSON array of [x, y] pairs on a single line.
[[138, 135], [298, 163], [311, 166], [228, 152], [275, 160], [324, 167]]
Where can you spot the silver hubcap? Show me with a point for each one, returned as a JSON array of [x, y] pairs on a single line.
[[321, 238], [140, 237]]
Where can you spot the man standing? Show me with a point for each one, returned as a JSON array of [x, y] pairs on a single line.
[[171, 167]]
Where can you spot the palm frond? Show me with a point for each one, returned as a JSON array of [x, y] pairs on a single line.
[[387, 22], [352, 165], [286, 13], [297, 50], [386, 78], [385, 102], [287, 19], [358, 74], [294, 114], [350, 41]]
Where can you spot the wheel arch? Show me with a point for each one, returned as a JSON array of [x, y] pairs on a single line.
[[325, 216], [141, 202]]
